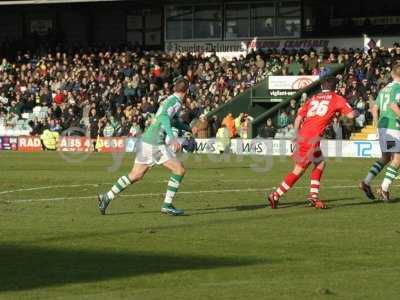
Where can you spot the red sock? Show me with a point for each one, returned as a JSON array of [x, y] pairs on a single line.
[[316, 174], [287, 183]]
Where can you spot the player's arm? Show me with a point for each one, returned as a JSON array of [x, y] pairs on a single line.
[[297, 122], [395, 100], [345, 109], [352, 115], [296, 125], [375, 114], [301, 114], [395, 109], [166, 124]]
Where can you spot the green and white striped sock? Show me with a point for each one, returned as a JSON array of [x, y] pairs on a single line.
[[173, 185], [373, 172], [118, 187], [391, 173]]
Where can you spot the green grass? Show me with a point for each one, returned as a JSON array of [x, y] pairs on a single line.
[[229, 246]]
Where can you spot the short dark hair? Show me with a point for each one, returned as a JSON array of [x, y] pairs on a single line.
[[181, 85], [396, 70], [329, 83]]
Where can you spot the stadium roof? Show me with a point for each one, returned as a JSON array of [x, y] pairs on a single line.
[[41, 2], [26, 2]]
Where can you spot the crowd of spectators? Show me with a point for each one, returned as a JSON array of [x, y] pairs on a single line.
[[116, 92], [366, 73]]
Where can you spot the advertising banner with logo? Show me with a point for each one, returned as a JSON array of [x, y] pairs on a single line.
[[361, 149], [75, 144], [8, 143], [248, 147], [114, 144], [330, 148], [286, 86], [29, 144], [242, 45], [232, 48]]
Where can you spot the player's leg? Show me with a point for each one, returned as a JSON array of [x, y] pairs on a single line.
[[375, 169], [287, 183], [178, 172], [136, 174], [146, 155], [388, 142], [390, 175], [316, 175], [302, 156]]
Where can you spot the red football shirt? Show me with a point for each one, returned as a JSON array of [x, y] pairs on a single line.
[[318, 112]]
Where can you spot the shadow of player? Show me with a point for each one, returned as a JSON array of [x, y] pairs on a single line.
[[25, 267]]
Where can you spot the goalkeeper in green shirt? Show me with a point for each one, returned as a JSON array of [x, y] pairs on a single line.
[[157, 147], [386, 114]]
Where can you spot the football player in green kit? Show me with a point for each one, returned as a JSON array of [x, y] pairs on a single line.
[[386, 113], [157, 146]]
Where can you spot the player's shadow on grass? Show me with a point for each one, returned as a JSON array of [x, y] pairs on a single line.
[[349, 201], [304, 203], [233, 208], [28, 267], [332, 203], [199, 211]]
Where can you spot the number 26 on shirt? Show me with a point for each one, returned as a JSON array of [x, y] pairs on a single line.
[[318, 108]]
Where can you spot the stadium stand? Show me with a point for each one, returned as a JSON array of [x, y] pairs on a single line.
[[115, 92]]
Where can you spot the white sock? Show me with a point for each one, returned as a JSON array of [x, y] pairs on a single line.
[[110, 195], [169, 196], [373, 172], [390, 175], [172, 188], [369, 178], [385, 184], [118, 187]]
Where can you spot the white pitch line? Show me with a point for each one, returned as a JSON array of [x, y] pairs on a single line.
[[47, 187], [103, 183], [128, 195], [182, 192]]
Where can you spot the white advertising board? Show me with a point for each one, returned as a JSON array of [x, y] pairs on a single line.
[[330, 148], [290, 82], [268, 147]]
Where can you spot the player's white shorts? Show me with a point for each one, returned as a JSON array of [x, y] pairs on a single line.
[[147, 154], [389, 140]]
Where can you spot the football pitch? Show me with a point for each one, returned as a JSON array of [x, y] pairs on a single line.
[[54, 244]]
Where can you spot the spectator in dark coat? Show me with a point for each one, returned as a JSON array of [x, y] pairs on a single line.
[[268, 131]]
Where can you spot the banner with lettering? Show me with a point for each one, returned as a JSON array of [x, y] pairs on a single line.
[[286, 86], [267, 147], [75, 144], [230, 48], [29, 144], [112, 144], [8, 143]]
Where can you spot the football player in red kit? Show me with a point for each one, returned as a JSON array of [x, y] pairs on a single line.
[[310, 124]]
